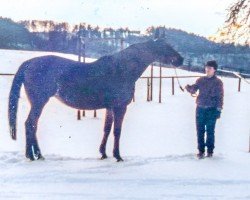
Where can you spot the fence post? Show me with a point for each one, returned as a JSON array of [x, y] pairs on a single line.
[[151, 89], [148, 89], [160, 84], [172, 85], [134, 94], [122, 44], [83, 50], [95, 114], [84, 60], [78, 115], [239, 85], [79, 60], [249, 142]]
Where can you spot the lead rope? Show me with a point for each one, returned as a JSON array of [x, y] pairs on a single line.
[[178, 81]]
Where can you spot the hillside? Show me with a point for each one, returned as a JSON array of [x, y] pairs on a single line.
[[14, 35], [62, 37]]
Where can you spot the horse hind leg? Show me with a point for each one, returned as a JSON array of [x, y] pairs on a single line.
[[107, 128], [32, 148], [119, 114]]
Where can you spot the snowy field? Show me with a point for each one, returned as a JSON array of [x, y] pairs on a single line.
[[158, 144]]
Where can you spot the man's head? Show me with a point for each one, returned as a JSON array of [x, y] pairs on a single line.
[[211, 67]]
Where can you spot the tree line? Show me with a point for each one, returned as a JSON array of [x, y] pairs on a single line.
[[62, 37]]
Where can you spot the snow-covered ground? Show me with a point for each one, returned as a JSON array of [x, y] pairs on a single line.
[[158, 144]]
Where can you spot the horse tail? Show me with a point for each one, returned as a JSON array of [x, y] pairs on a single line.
[[14, 97]]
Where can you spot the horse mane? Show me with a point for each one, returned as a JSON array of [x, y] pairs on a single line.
[[122, 61], [126, 53]]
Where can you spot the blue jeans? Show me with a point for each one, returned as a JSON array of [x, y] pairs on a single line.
[[205, 122]]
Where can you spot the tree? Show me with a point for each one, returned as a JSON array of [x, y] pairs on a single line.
[[238, 20], [239, 12]]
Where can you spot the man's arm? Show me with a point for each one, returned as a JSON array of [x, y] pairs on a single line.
[[193, 88], [220, 99], [220, 96]]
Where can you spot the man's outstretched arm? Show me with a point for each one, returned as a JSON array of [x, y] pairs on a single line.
[[193, 88]]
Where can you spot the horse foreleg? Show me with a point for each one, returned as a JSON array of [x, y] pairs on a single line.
[[107, 128], [119, 114], [32, 148]]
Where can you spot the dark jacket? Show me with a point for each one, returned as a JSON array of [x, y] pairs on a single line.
[[211, 92]]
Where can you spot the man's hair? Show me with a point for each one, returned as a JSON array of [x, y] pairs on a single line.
[[212, 63]]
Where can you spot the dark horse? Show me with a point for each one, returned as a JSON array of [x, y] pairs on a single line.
[[106, 83]]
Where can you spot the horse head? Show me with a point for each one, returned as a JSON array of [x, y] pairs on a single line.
[[163, 52]]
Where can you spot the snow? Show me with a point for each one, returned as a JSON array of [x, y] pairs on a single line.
[[158, 144]]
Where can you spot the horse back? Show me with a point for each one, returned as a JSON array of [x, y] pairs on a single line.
[[44, 73]]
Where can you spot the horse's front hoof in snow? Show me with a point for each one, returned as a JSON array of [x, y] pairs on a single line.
[[29, 155], [104, 156], [13, 132], [30, 158], [40, 157], [119, 159], [33, 156], [116, 154]]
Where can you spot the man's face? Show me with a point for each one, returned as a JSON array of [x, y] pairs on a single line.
[[210, 71]]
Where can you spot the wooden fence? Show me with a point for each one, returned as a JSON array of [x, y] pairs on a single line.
[[150, 83], [150, 88]]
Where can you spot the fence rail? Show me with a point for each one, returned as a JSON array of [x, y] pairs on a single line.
[[150, 82], [7, 74]]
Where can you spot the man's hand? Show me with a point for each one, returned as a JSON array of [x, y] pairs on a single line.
[[192, 89], [187, 87], [218, 113]]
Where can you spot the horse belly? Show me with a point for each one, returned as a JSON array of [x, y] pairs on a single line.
[[85, 98]]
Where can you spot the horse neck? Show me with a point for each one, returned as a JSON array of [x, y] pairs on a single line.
[[136, 62]]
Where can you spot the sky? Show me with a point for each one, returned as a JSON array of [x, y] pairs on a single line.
[[202, 17]]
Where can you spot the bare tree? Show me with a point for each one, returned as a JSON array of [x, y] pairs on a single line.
[[241, 7], [238, 19]]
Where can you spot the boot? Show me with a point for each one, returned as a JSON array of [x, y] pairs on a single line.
[[209, 155], [200, 155]]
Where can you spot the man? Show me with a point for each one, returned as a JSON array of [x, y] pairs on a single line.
[[209, 105]]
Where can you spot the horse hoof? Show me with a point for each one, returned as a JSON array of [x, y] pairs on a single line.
[[104, 157], [30, 159], [40, 157], [119, 160], [13, 133]]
